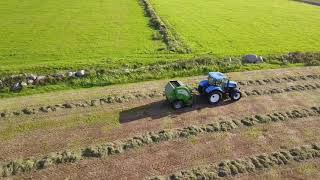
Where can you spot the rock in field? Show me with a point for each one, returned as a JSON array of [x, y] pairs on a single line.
[[16, 87], [32, 77], [59, 76], [253, 58], [71, 74], [23, 84], [80, 73], [30, 81], [41, 79]]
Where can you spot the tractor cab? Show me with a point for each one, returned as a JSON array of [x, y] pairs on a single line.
[[221, 80], [218, 86]]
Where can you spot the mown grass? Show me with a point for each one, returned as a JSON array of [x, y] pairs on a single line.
[[10, 130], [62, 33], [235, 27]]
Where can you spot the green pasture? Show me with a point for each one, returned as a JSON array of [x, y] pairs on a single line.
[[236, 27], [65, 32]]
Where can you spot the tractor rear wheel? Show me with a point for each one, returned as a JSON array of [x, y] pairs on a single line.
[[177, 104], [235, 96], [215, 97]]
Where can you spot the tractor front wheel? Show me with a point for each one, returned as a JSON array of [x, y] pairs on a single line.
[[215, 97], [235, 96], [177, 104]]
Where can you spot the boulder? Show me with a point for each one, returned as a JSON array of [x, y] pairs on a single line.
[[80, 73], [30, 81], [32, 77], [59, 76], [252, 58], [71, 74], [41, 79], [23, 84], [16, 87]]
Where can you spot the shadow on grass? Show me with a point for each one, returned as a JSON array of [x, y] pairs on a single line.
[[160, 109]]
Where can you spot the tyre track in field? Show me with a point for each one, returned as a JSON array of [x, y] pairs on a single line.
[[313, 84], [119, 146], [250, 164]]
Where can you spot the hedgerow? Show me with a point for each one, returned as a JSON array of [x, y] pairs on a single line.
[[170, 38]]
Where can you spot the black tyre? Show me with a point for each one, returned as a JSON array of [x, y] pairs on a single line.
[[214, 97], [177, 104], [200, 90], [235, 96]]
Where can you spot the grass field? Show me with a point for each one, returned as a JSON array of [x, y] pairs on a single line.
[[231, 27], [44, 38], [63, 32]]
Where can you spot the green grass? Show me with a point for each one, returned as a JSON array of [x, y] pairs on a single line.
[[44, 37], [65, 32], [235, 27]]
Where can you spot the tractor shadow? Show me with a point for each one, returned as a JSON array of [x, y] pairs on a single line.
[[160, 109]]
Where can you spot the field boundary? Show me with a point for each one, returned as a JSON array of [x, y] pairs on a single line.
[[158, 70], [250, 164], [173, 42], [119, 146]]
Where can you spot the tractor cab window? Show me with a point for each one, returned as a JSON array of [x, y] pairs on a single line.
[[215, 82]]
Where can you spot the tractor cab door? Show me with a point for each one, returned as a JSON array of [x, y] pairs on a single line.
[[225, 85]]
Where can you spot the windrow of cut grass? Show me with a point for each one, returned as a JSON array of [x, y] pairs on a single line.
[[313, 83], [251, 164], [111, 148]]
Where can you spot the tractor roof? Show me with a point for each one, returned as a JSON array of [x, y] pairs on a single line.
[[217, 75]]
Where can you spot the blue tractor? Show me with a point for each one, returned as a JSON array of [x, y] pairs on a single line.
[[219, 87]]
